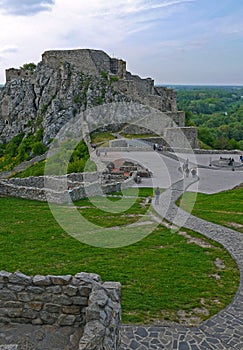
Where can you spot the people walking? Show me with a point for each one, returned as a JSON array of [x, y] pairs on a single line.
[[69, 199], [157, 194]]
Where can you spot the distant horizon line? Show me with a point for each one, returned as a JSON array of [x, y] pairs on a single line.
[[185, 84], [198, 84]]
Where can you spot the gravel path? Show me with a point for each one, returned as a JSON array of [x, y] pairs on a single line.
[[224, 330]]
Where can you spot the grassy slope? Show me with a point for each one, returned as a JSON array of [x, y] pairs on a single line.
[[160, 274]]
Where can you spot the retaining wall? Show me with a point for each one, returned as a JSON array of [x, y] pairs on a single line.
[[81, 310]]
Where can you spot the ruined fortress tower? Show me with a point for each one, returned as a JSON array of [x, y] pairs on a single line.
[[67, 82]]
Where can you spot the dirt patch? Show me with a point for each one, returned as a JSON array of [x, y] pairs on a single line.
[[215, 276], [132, 215], [194, 240], [235, 224], [238, 186], [222, 211], [194, 317], [219, 264], [141, 223]]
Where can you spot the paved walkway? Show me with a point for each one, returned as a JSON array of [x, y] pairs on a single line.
[[165, 170], [224, 330]]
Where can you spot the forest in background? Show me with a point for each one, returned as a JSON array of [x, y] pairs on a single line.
[[217, 111]]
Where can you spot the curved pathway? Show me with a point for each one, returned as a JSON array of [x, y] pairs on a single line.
[[222, 331]]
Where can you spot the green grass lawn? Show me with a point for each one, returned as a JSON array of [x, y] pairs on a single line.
[[160, 275], [224, 208], [99, 137], [138, 136]]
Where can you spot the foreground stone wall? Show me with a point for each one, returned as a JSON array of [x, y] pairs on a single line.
[[82, 307]]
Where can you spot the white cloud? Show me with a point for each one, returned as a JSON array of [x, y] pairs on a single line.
[[134, 30], [25, 7], [8, 49]]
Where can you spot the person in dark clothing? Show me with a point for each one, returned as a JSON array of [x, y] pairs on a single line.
[[157, 194]]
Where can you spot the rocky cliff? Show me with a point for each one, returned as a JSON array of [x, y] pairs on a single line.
[[67, 82]]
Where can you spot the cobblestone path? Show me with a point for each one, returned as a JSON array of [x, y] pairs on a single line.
[[222, 331]]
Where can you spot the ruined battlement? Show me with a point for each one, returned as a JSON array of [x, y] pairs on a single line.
[[92, 62], [96, 62], [14, 73], [68, 82]]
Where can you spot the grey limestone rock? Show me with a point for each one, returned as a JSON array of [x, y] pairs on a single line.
[[68, 82]]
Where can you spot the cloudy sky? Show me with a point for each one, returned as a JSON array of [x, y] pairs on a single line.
[[172, 41]]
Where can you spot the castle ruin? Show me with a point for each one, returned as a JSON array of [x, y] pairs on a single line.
[[52, 93]]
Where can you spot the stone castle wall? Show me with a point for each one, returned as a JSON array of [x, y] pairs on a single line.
[[178, 117], [13, 73], [181, 137], [143, 86], [92, 62], [54, 188], [168, 97], [80, 59], [69, 312], [56, 91]]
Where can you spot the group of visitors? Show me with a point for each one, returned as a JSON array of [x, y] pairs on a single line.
[[231, 161], [186, 170], [97, 151]]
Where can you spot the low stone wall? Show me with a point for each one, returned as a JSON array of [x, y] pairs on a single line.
[[216, 151], [82, 307], [11, 190], [57, 182], [44, 194], [55, 188]]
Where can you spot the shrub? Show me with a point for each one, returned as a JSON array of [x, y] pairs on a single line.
[[38, 148], [113, 79], [29, 66], [104, 74]]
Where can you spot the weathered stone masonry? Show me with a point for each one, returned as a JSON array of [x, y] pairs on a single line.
[[66, 83], [80, 308], [54, 188]]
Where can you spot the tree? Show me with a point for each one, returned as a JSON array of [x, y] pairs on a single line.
[[233, 144], [205, 135], [29, 66], [221, 143]]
